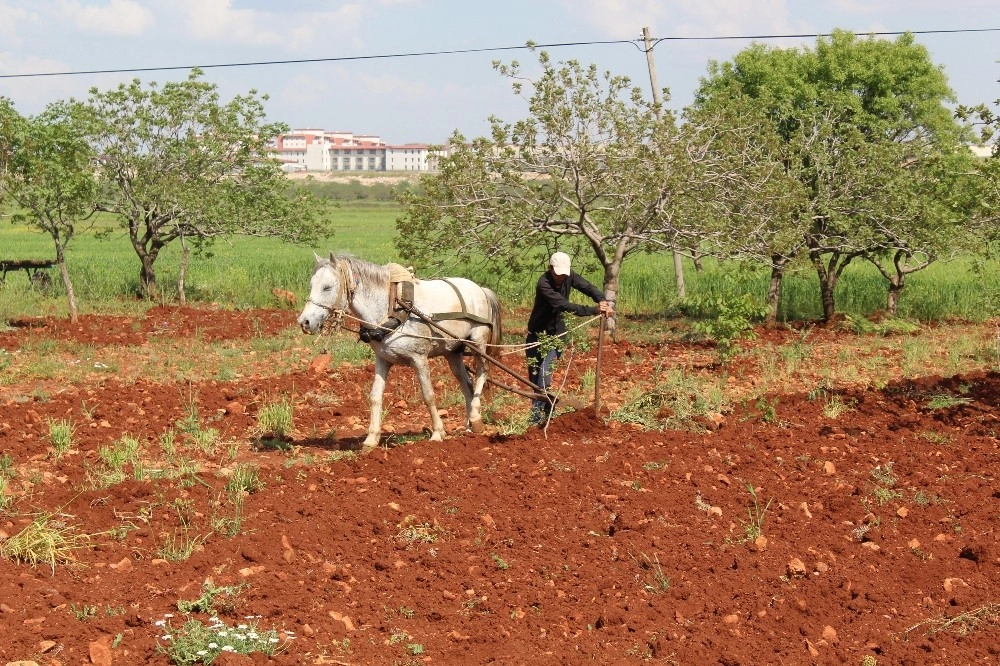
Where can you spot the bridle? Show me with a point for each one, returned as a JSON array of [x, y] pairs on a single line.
[[347, 286]]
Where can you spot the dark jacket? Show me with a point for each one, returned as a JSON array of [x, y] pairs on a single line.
[[551, 301]]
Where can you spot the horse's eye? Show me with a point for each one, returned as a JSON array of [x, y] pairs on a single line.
[[327, 288]]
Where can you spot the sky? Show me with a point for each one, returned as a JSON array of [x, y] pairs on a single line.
[[361, 84]]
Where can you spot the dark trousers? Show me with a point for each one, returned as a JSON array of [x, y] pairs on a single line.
[[540, 374]]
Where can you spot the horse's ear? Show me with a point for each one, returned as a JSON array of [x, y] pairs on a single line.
[[333, 258]]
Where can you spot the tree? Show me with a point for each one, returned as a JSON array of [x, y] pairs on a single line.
[[852, 113], [177, 164], [594, 169], [985, 191], [48, 173]]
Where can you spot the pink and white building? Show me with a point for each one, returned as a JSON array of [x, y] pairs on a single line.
[[320, 150]]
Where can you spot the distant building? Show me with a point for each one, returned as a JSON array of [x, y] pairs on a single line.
[[320, 150]]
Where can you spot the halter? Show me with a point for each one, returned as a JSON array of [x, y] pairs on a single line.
[[347, 286]]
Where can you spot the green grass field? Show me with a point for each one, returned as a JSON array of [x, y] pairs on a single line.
[[241, 273]]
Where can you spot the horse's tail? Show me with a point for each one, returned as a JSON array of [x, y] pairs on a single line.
[[496, 318]]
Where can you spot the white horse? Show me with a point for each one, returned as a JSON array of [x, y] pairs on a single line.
[[469, 313]]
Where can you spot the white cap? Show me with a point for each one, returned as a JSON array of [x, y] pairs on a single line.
[[560, 263]]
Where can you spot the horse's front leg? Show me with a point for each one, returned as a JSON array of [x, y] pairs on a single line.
[[423, 371], [375, 399]]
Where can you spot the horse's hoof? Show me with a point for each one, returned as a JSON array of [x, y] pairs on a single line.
[[477, 426], [437, 437], [366, 449]]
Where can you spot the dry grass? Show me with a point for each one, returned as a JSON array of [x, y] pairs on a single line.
[[44, 540]]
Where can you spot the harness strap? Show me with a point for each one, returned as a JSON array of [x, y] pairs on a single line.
[[464, 314]]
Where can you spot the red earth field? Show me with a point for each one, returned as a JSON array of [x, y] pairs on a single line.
[[781, 532]]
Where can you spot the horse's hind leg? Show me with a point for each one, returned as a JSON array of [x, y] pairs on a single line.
[[473, 421], [423, 371], [375, 399]]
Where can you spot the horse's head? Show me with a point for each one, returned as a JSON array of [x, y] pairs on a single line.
[[328, 291]]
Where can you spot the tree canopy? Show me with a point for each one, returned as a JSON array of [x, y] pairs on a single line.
[[862, 125], [175, 162], [47, 172], [594, 169]]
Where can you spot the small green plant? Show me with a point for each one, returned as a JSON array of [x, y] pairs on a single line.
[[835, 407], [84, 612], [167, 443], [676, 400], [869, 660], [275, 418], [944, 401], [654, 581], [398, 636], [6, 466], [726, 318], [226, 525], [205, 439], [245, 478], [195, 642], [883, 475], [190, 424], [500, 562], [6, 501], [179, 545], [936, 437], [753, 527], [61, 435], [412, 531], [125, 450], [206, 603], [962, 623], [885, 495], [768, 409]]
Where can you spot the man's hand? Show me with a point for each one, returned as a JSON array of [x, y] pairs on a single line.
[[606, 308]]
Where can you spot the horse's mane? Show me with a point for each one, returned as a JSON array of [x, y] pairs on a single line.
[[364, 271]]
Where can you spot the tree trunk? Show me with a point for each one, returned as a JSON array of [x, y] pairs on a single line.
[[827, 283], [679, 274], [895, 290], [67, 284], [774, 292], [147, 276], [185, 252], [611, 273]]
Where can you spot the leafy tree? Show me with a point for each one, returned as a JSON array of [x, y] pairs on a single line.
[[862, 123], [178, 164], [48, 173], [594, 169], [986, 189]]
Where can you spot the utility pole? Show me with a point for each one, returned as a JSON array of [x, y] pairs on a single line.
[[658, 101]]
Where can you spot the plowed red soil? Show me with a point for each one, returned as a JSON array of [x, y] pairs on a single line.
[[591, 542]]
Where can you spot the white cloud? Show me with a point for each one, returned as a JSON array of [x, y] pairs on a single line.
[[119, 18], [11, 21], [624, 19], [219, 22]]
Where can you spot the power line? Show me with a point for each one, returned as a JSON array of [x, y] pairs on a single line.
[[638, 43]]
